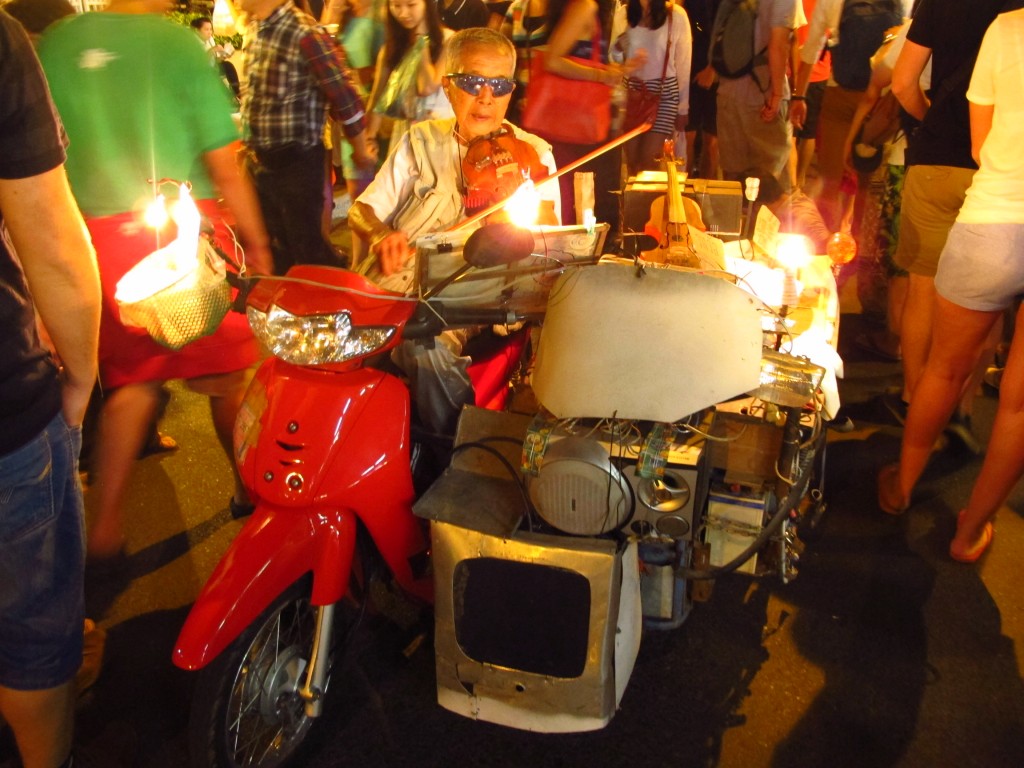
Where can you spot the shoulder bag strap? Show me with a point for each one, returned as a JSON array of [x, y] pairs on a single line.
[[668, 41]]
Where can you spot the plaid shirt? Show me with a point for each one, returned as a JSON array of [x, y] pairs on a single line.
[[294, 73]]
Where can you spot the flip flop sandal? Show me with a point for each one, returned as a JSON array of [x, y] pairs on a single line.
[[974, 553]]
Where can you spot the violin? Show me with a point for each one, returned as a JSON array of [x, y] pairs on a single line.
[[495, 166], [670, 220]]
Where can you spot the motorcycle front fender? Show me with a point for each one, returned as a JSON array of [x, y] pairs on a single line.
[[272, 551]]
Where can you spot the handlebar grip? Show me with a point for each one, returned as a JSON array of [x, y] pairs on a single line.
[[431, 318], [244, 286]]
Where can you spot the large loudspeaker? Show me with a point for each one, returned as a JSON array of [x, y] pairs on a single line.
[[534, 631], [721, 202]]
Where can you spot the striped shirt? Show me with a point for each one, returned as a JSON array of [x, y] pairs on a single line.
[[294, 74]]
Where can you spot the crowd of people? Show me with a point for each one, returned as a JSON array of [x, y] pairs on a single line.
[[389, 95]]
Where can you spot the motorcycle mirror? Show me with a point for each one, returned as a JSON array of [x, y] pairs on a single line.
[[496, 244]]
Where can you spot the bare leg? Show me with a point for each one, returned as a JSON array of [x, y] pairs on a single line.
[[791, 164], [804, 154], [224, 409], [916, 330], [124, 426], [709, 157], [642, 153], [958, 334], [42, 722], [1004, 462], [985, 358], [897, 300], [693, 162]]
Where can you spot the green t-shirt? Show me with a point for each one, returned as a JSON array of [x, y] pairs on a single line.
[[140, 100]]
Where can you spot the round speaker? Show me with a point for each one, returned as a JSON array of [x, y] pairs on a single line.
[[579, 490], [664, 494]]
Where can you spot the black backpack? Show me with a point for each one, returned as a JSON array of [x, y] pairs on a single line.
[[862, 28], [732, 53]]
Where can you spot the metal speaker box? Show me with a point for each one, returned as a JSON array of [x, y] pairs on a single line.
[[721, 202], [667, 504], [534, 631]]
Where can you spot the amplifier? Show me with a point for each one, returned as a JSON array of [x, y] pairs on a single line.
[[721, 202]]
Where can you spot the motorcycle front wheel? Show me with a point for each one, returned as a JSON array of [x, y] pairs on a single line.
[[246, 709]]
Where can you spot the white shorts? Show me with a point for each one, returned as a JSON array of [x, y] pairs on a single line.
[[982, 266]]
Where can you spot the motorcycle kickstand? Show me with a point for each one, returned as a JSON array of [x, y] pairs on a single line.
[[316, 675]]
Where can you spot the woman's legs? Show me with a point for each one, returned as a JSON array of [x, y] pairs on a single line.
[[957, 336], [224, 410], [645, 151], [1004, 462], [124, 426], [916, 330]]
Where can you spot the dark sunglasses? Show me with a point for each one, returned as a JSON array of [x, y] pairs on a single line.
[[472, 84]]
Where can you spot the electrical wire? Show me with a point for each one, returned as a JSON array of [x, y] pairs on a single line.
[[513, 472]]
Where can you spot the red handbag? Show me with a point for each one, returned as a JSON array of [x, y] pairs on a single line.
[[564, 110]]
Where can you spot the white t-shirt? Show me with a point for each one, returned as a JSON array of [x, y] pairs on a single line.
[[996, 195], [653, 41]]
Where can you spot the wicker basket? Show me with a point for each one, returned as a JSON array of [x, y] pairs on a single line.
[[175, 306]]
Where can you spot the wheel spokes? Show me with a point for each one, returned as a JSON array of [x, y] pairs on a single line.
[[265, 713]]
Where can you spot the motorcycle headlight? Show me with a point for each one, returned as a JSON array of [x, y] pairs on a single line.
[[315, 339]]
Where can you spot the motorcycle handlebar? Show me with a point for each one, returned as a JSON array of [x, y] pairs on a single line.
[[430, 318]]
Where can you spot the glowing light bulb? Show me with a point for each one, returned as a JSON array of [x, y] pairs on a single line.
[[156, 213], [841, 248], [523, 205], [793, 251]]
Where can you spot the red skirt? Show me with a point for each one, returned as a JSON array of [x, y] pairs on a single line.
[[128, 355]]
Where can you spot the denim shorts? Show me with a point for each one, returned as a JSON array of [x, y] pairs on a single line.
[[42, 554]]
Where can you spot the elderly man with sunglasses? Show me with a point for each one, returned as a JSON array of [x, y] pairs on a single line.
[[421, 189]]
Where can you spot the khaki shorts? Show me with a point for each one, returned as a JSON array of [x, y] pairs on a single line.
[[932, 196]]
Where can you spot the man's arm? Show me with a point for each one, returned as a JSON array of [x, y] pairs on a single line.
[[390, 246], [824, 17], [329, 67], [906, 79], [240, 196], [778, 58], [56, 254]]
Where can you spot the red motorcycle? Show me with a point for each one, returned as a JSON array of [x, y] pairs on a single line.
[[678, 442], [325, 445]]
